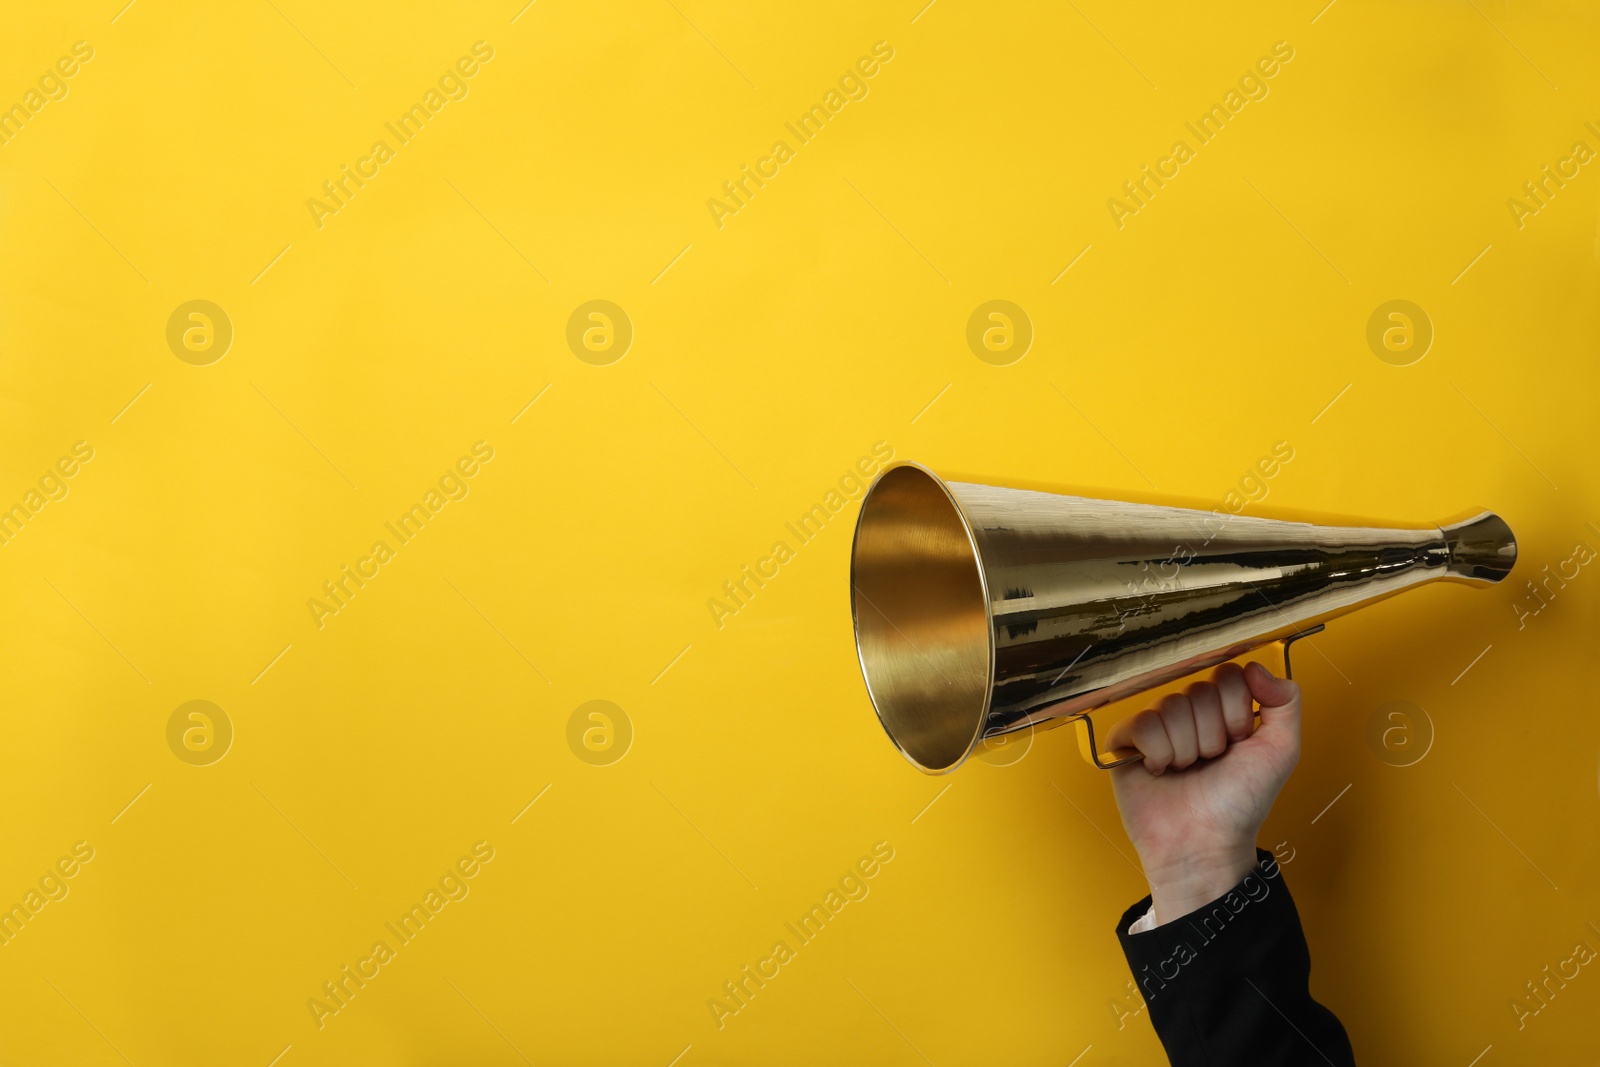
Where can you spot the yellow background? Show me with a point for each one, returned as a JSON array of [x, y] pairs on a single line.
[[768, 356]]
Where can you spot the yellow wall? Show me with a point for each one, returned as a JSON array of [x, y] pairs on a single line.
[[772, 347]]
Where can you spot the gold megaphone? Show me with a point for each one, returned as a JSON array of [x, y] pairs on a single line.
[[981, 610]]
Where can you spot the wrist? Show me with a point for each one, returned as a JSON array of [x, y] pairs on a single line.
[[1187, 883]]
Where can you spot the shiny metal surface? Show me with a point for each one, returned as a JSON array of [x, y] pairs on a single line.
[[981, 610]]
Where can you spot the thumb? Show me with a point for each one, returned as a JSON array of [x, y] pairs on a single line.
[[1279, 698]]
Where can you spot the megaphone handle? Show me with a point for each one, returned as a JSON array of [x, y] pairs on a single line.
[[1135, 756], [1094, 752], [1288, 668]]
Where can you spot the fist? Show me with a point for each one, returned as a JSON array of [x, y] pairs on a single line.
[[1210, 773]]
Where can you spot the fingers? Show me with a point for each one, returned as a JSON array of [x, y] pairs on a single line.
[[1177, 715], [1280, 716], [1209, 726], [1279, 697], [1237, 711], [1203, 721], [1146, 732]]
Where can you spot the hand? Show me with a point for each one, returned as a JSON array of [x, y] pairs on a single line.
[[1209, 777]]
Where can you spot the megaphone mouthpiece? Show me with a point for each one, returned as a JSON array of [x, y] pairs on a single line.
[[1482, 547]]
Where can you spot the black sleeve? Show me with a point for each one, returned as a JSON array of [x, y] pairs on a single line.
[[1229, 983]]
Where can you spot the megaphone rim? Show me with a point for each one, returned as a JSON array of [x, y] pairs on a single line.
[[965, 520]]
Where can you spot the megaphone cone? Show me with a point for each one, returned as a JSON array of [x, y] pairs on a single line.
[[981, 610]]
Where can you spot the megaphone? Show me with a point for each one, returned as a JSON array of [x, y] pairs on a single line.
[[981, 610]]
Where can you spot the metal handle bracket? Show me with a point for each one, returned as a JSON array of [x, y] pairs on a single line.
[[1133, 755], [1288, 669]]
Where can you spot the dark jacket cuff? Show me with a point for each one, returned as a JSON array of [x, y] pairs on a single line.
[[1233, 978]]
